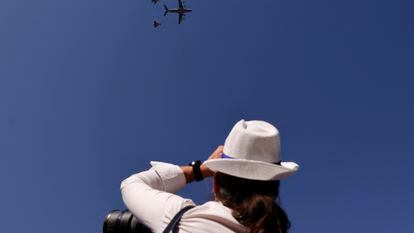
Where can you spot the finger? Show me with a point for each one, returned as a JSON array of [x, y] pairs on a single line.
[[219, 150], [217, 153]]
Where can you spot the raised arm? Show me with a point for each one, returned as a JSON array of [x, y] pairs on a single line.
[[149, 195]]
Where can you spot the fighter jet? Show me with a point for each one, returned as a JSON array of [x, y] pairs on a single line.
[[155, 1], [156, 24], [181, 10]]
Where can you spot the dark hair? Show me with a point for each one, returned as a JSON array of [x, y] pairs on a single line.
[[253, 203]]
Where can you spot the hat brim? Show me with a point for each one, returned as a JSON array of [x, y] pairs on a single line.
[[251, 169]]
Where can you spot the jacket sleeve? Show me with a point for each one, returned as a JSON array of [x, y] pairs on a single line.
[[149, 195]]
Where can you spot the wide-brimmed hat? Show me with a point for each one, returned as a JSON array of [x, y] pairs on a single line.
[[252, 151]]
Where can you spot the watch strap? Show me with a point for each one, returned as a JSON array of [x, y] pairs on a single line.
[[198, 175]]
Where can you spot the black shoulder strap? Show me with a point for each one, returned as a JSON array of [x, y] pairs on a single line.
[[172, 225]]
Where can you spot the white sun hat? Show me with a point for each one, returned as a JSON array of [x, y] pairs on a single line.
[[252, 151]]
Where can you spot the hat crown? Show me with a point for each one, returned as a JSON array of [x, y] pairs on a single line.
[[253, 140]]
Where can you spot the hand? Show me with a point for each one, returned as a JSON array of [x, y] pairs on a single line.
[[215, 155]]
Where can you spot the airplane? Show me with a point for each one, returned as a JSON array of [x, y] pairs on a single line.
[[181, 10], [156, 24], [155, 1]]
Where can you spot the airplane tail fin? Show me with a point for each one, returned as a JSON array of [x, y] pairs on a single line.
[[166, 10]]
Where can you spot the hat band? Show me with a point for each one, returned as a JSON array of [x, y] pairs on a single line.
[[224, 156]]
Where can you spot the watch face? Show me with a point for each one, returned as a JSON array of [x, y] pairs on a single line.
[[194, 163]]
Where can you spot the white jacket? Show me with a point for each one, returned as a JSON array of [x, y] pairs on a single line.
[[149, 195]]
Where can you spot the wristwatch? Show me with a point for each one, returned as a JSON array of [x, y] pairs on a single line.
[[198, 176]]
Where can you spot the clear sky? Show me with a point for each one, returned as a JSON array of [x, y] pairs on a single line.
[[90, 93]]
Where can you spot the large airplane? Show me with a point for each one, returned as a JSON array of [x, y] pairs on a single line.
[[181, 10]]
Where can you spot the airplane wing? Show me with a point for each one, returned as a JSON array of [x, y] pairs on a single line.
[[180, 18], [180, 4]]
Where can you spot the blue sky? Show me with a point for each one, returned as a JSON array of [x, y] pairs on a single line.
[[90, 93]]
